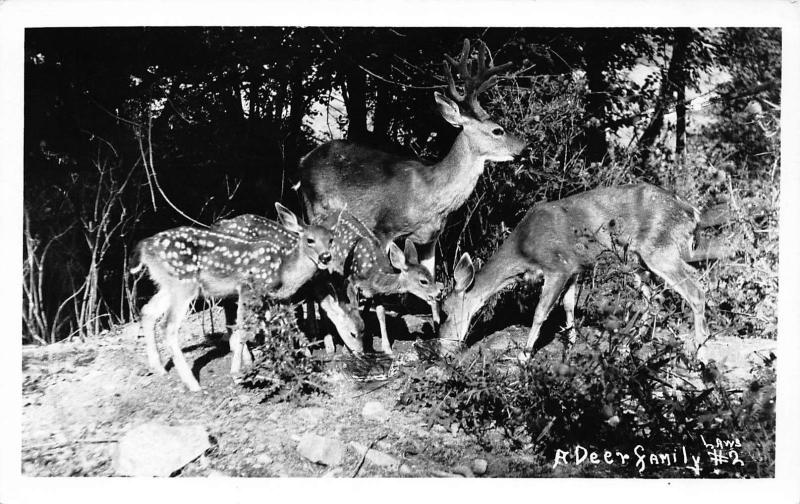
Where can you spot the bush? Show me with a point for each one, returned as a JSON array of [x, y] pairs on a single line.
[[284, 369], [627, 382]]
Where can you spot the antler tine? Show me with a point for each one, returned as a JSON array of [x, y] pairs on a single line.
[[483, 77], [451, 83]]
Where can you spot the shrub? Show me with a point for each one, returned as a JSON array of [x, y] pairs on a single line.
[[627, 382], [284, 369]]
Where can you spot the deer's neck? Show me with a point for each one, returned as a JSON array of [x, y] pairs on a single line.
[[457, 174], [502, 270], [293, 272]]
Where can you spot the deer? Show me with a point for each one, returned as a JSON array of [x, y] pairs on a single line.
[[187, 262], [398, 196], [557, 240], [357, 257]]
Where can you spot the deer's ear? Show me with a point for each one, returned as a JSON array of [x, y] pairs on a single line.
[[464, 273], [397, 258], [287, 218], [449, 109], [410, 251]]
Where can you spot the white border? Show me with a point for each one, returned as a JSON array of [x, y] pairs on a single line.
[[16, 15]]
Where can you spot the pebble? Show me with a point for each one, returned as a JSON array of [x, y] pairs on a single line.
[[479, 466]]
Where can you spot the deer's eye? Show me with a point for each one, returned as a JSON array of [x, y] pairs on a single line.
[[310, 241], [424, 281], [498, 132]]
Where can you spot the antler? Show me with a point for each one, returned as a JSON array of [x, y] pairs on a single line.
[[474, 82]]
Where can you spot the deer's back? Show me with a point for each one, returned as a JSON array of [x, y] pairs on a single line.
[[252, 227], [214, 261], [373, 185], [571, 232], [356, 251]]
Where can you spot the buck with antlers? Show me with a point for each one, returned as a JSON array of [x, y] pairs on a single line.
[[357, 256], [556, 240], [186, 262], [398, 196]]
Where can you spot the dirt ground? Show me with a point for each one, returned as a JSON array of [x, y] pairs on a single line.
[[80, 398]]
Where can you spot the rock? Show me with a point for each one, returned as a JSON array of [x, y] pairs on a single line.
[[312, 415], [155, 449], [375, 411], [263, 459], [375, 457], [321, 450], [405, 470], [479, 466]]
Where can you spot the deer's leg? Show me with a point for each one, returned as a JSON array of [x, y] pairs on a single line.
[[151, 312], [239, 351], [568, 302], [380, 312], [344, 324], [680, 277], [179, 304], [230, 315], [552, 288], [427, 255]]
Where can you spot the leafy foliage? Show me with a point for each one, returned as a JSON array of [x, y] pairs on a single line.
[[628, 382], [285, 370]]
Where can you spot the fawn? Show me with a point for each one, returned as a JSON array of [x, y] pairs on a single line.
[[557, 240], [356, 255], [186, 262], [398, 196]]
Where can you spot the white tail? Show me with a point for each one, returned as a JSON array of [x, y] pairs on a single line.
[[557, 240], [398, 196], [186, 262]]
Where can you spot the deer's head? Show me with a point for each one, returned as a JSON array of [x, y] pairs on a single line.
[[456, 306], [415, 278], [313, 241], [486, 138]]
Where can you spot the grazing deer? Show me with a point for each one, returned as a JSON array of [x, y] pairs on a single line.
[[399, 196], [557, 240], [358, 256], [186, 262]]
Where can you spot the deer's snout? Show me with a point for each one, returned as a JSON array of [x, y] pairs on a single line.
[[325, 257]]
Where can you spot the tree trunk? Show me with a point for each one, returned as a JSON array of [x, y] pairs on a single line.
[[382, 118], [355, 99], [674, 82], [682, 37], [596, 57]]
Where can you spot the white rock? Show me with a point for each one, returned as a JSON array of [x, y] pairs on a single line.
[[263, 459], [313, 414], [374, 410], [155, 449], [479, 466], [320, 449]]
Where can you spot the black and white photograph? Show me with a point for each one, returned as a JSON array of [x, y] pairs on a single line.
[[283, 248]]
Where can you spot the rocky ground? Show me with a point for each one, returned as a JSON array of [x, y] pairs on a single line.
[[85, 402]]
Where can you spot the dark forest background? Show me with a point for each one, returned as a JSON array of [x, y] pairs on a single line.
[[130, 131]]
